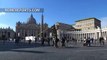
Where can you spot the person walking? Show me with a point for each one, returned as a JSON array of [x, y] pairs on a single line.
[[101, 40], [29, 41], [84, 42], [88, 42], [56, 42], [53, 41], [48, 40], [63, 41], [92, 40], [35, 39], [42, 41]]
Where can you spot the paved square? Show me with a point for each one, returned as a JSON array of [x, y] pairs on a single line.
[[11, 51]]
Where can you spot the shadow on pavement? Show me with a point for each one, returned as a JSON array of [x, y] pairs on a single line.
[[28, 51], [70, 47], [95, 46], [8, 46]]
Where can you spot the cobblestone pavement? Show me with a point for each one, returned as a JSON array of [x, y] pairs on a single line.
[[23, 51]]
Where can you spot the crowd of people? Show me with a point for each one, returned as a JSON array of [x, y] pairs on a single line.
[[86, 41]]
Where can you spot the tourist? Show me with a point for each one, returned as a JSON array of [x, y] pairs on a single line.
[[101, 40], [56, 42], [74, 40], [29, 41], [88, 42], [92, 40], [48, 40], [84, 42], [63, 41], [42, 41], [35, 39]]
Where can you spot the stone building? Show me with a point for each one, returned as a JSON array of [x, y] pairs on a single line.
[[88, 24], [62, 27], [89, 27], [29, 28], [6, 33], [80, 35]]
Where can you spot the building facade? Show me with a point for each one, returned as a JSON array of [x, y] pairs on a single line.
[[90, 27], [6, 33], [80, 35], [29, 28], [88, 24], [63, 26]]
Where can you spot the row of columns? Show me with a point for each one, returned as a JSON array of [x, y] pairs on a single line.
[[80, 35]]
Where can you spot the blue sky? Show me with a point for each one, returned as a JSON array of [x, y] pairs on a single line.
[[65, 11]]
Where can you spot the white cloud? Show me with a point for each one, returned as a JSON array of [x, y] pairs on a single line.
[[103, 21], [2, 13]]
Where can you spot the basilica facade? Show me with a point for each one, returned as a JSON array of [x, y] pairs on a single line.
[[29, 28]]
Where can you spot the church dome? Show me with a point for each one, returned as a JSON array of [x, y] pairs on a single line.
[[31, 20]]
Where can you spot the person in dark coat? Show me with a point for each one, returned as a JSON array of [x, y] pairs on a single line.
[[29, 41], [88, 42], [17, 40], [101, 40], [56, 42], [35, 39], [48, 40], [92, 40], [42, 41], [63, 41]]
